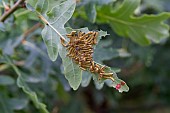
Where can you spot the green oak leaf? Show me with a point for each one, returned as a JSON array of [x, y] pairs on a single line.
[[72, 71], [86, 78], [56, 17], [102, 53], [86, 75], [32, 3], [42, 6], [110, 83], [90, 10], [143, 30], [98, 83]]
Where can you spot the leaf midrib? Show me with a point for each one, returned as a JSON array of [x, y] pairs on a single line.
[[127, 23], [62, 14], [74, 74], [73, 70], [120, 21]]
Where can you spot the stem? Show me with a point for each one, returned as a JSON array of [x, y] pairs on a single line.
[[10, 11], [47, 23], [36, 26]]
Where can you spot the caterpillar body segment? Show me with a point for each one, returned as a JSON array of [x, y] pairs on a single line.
[[80, 49]]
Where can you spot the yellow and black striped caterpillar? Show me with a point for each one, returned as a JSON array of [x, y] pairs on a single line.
[[80, 49]]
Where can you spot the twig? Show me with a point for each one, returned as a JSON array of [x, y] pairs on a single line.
[[10, 11], [36, 26], [47, 23]]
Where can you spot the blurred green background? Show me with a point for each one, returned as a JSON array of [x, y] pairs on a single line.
[[145, 69]]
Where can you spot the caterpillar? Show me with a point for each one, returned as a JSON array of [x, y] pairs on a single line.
[[80, 49]]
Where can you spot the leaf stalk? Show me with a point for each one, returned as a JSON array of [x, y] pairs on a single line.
[[47, 23]]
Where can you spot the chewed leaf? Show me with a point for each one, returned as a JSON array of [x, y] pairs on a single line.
[[118, 84], [101, 34], [75, 50], [98, 83], [85, 30]]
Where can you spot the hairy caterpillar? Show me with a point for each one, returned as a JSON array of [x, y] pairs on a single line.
[[80, 49]]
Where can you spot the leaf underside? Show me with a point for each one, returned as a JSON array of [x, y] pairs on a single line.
[[86, 75], [57, 17]]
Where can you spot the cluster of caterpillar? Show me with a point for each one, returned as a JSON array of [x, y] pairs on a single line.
[[80, 49]]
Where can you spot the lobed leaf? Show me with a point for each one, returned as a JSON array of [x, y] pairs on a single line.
[[49, 37], [142, 30], [71, 70], [42, 6], [57, 18], [86, 75], [56, 15], [90, 8], [123, 88]]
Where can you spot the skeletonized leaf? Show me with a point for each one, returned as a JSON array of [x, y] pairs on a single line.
[[142, 30]]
